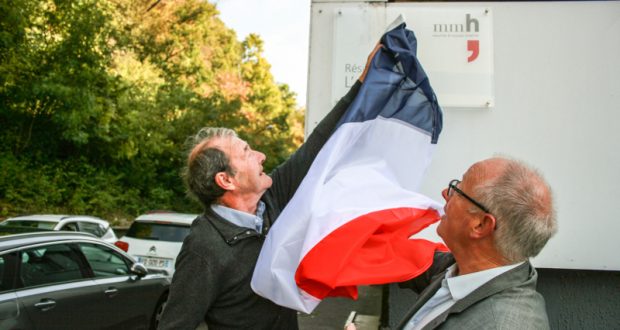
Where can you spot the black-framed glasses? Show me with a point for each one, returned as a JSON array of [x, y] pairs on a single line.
[[452, 187]]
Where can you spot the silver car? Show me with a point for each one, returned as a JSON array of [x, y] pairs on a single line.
[[84, 223], [62, 280]]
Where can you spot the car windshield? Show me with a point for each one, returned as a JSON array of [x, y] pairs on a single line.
[[158, 231], [30, 224]]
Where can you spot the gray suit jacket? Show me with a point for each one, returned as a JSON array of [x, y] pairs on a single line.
[[509, 301]]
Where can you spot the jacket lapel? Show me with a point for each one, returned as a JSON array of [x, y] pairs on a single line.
[[509, 279], [424, 296]]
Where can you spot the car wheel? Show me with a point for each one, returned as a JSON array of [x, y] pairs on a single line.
[[159, 310]]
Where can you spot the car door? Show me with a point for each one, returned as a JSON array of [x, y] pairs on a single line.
[[9, 312], [55, 289], [129, 301], [10, 315]]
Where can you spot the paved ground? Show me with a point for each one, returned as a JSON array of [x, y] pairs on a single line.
[[332, 313]]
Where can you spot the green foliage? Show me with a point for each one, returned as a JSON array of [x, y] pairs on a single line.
[[98, 97]]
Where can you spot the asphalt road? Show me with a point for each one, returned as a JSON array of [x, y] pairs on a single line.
[[332, 313]]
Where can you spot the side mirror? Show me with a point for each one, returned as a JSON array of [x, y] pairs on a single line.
[[139, 270]]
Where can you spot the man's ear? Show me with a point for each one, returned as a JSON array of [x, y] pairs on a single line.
[[224, 180], [484, 226]]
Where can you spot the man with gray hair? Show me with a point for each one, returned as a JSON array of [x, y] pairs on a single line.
[[499, 215], [496, 218], [213, 271]]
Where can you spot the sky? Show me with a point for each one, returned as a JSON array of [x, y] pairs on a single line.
[[284, 27]]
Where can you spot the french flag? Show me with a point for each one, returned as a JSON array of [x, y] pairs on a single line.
[[351, 220]]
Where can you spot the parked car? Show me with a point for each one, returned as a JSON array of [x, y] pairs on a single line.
[[65, 280], [155, 239], [93, 225]]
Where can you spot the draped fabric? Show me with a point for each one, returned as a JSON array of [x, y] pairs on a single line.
[[352, 217]]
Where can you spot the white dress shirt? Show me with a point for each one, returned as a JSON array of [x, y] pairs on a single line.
[[453, 288]]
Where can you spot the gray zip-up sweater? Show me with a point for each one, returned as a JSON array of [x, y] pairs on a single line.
[[215, 266]]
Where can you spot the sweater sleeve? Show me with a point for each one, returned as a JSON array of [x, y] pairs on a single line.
[[288, 176], [190, 295]]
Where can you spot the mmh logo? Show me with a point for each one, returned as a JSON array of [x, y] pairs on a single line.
[[471, 26]]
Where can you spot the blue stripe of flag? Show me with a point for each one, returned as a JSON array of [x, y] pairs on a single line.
[[396, 86]]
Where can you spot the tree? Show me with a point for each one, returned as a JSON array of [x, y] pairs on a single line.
[[98, 97]]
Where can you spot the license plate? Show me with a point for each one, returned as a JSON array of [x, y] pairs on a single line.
[[154, 262]]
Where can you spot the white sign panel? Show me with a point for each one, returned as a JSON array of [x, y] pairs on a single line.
[[455, 47], [348, 46]]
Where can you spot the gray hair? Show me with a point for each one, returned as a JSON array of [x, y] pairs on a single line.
[[522, 203], [204, 162]]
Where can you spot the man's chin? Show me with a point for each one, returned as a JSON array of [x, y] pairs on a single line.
[[439, 229]]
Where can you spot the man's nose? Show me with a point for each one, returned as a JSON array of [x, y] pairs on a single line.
[[444, 194], [261, 157]]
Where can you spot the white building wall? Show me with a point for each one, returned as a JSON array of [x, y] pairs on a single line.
[[555, 104]]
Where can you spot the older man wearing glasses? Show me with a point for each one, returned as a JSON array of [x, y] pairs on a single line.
[[499, 215]]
